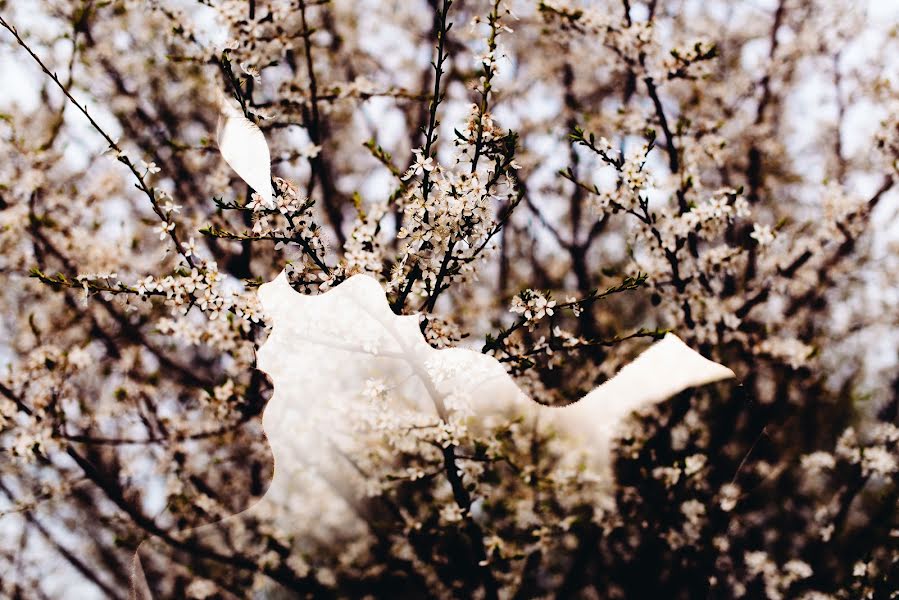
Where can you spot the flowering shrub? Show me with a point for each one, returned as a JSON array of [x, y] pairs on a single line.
[[552, 183]]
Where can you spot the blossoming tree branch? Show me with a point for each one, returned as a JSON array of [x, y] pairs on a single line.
[[345, 298]]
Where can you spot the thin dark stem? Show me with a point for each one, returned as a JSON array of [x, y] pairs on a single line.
[[489, 71], [443, 28], [673, 158], [113, 145], [317, 163]]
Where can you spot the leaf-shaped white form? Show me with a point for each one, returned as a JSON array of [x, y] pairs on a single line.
[[666, 368], [244, 148], [325, 349], [357, 388]]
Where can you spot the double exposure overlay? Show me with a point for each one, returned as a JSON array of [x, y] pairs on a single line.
[[449, 299]]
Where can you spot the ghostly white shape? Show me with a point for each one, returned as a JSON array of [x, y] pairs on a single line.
[[323, 350], [357, 388], [244, 148], [349, 378], [666, 368]]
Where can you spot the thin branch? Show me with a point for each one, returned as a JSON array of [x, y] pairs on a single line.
[[113, 145]]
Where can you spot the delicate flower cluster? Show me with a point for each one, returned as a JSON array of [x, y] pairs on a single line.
[[877, 454], [709, 220], [533, 305], [792, 351], [363, 251], [441, 333], [448, 218], [690, 61], [777, 579], [200, 287]]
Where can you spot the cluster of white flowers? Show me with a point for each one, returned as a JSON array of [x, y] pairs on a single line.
[[200, 286], [818, 461], [363, 251], [448, 219], [441, 333], [407, 430], [532, 305], [568, 14], [286, 203], [690, 61], [877, 452], [791, 350], [777, 579], [709, 219]]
